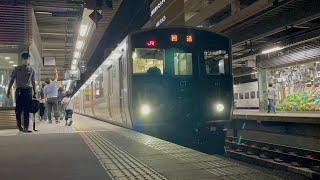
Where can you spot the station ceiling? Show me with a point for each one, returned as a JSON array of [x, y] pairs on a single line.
[[253, 26], [58, 24]]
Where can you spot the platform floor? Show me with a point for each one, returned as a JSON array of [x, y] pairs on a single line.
[[92, 149], [279, 113]]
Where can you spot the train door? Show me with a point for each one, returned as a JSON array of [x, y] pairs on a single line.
[[110, 89], [121, 89]]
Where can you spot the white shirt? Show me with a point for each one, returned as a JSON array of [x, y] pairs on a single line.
[[272, 93], [66, 101]]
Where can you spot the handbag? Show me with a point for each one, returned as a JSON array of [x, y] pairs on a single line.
[[34, 106]]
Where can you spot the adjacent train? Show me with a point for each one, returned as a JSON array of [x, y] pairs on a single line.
[[246, 96], [174, 83]]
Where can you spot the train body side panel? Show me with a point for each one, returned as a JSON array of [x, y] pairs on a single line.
[[246, 95]]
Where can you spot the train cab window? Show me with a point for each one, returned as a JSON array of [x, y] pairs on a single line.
[[240, 95], [147, 58], [214, 62], [182, 63], [252, 95], [236, 96], [246, 95]]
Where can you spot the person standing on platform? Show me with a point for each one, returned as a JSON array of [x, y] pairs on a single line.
[[25, 82], [272, 97], [42, 103], [61, 95], [67, 104], [51, 94]]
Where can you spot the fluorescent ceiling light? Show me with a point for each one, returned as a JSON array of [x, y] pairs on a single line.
[[11, 62], [7, 58], [83, 30], [14, 65], [76, 54], [271, 50], [79, 44], [42, 12]]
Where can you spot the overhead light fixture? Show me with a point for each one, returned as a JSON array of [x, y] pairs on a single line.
[[14, 65], [76, 54], [271, 50], [83, 30], [11, 62], [42, 12], [79, 44], [7, 58]]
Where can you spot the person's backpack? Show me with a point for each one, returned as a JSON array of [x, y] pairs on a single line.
[[34, 106]]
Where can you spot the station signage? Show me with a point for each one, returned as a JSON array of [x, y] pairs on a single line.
[[166, 13], [157, 7]]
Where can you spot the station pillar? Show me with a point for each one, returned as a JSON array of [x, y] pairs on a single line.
[[262, 86]]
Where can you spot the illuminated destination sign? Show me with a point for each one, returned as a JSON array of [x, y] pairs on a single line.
[[157, 7]]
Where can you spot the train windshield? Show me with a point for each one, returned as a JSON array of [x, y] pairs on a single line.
[[146, 60], [215, 62], [182, 63]]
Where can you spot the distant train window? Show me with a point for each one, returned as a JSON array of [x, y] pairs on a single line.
[[214, 62], [240, 95], [146, 58], [182, 63], [258, 94], [99, 86], [246, 95], [252, 95], [236, 96]]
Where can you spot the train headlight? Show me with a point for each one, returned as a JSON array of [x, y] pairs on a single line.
[[145, 109], [220, 107]]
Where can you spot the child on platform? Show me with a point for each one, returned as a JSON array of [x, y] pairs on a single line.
[[66, 103]]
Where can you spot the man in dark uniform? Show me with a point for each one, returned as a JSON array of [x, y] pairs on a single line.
[[25, 83]]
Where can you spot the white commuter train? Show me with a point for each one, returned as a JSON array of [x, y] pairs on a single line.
[[246, 96]]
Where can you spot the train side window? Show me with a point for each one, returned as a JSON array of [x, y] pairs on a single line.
[[246, 95], [182, 63], [144, 59], [240, 95], [258, 94], [252, 95], [236, 96]]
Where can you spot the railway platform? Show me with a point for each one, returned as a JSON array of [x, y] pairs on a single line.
[[290, 117], [92, 149]]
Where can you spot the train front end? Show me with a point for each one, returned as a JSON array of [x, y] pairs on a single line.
[[181, 85]]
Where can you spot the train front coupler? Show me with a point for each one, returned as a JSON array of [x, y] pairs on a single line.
[[211, 135]]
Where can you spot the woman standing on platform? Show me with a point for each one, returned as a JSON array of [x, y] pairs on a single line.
[[272, 97]]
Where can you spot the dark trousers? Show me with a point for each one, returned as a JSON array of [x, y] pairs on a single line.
[[52, 103], [42, 109], [23, 101], [68, 114]]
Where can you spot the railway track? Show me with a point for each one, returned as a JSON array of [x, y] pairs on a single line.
[[296, 160]]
